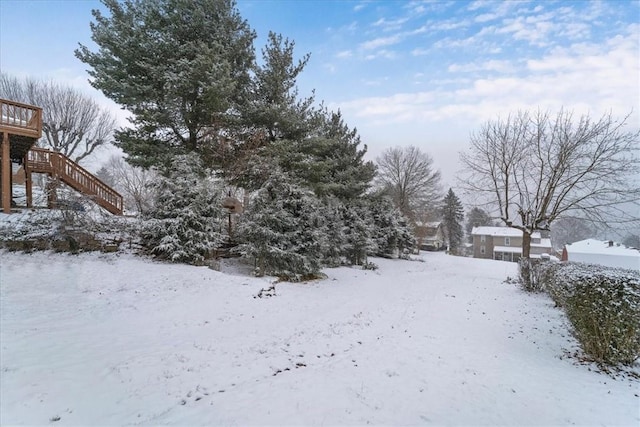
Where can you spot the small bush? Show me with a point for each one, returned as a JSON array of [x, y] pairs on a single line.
[[529, 272], [369, 266], [603, 306]]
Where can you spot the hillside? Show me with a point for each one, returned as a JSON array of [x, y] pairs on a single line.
[[114, 339]]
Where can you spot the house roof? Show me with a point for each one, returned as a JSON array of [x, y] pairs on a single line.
[[604, 252], [501, 232], [512, 249], [593, 246]]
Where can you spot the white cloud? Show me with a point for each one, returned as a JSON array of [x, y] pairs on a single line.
[[534, 29], [380, 42], [590, 79], [383, 53], [344, 54], [375, 82], [389, 25], [448, 25], [449, 42], [420, 51], [491, 65], [479, 4], [359, 6], [485, 17]]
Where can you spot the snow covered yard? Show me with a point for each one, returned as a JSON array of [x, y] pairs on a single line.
[[117, 340]]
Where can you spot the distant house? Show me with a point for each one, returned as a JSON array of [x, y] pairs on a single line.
[[430, 236], [505, 244], [607, 253]]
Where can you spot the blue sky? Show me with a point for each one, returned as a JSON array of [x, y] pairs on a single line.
[[426, 73]]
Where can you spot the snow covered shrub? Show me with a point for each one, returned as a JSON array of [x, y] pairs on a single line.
[[335, 232], [369, 266], [63, 230], [529, 272], [391, 232], [603, 305], [358, 234], [282, 230], [185, 221]]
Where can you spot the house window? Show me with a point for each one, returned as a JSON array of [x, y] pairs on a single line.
[[507, 241], [483, 239], [482, 250]]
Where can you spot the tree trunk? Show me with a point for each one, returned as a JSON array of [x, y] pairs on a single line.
[[526, 244]]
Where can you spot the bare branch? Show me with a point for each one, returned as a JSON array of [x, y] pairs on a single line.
[[541, 167]]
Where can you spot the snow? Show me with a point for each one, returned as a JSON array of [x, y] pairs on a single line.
[[511, 232], [512, 249], [594, 251], [112, 339], [544, 243], [501, 231]]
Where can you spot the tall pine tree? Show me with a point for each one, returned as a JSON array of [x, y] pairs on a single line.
[[275, 106], [330, 161], [452, 217], [180, 66]]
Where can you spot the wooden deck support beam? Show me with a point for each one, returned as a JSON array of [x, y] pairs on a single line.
[[6, 174], [27, 181]]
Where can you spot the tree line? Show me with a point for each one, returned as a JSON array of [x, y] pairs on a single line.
[[210, 120]]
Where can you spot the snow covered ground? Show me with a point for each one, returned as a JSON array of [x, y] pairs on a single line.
[[100, 339]]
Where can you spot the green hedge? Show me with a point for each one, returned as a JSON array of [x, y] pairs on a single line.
[[603, 306]]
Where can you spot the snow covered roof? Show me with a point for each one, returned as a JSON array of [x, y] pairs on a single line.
[[604, 252], [512, 249], [593, 246], [501, 232]]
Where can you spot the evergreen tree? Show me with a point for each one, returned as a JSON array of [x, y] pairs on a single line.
[[358, 240], [335, 231], [452, 215], [185, 221], [282, 229], [273, 114], [391, 230], [275, 107], [180, 66], [330, 161], [477, 217]]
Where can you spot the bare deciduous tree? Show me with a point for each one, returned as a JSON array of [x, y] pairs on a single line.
[[571, 229], [73, 124], [407, 175], [536, 167], [133, 182]]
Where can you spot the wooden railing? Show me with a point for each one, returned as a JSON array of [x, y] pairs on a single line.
[[58, 165], [21, 119]]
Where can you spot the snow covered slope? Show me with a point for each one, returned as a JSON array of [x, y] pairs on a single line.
[[116, 340]]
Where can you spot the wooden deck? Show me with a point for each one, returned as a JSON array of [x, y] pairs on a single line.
[[20, 119], [75, 176], [20, 128]]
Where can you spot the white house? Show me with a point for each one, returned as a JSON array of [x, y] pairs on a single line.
[[505, 243], [607, 253], [430, 236]]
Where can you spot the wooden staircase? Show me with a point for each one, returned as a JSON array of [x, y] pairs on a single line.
[[20, 129], [59, 166]]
